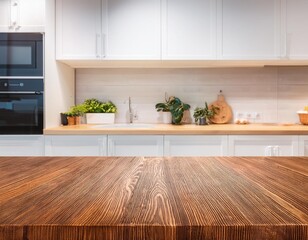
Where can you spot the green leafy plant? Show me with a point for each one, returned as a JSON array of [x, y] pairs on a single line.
[[77, 110], [205, 113], [176, 108], [95, 106], [163, 107]]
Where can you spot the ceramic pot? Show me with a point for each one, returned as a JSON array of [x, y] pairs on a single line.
[[100, 118], [166, 117], [71, 120], [63, 119], [202, 121], [77, 120]]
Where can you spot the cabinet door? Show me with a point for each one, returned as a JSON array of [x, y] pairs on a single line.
[[183, 145], [5, 16], [21, 145], [189, 29], [31, 16], [132, 29], [75, 145], [135, 145], [297, 30], [22, 15], [268, 145], [78, 29], [303, 146], [249, 29]]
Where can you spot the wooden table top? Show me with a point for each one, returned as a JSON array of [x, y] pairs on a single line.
[[134, 198]]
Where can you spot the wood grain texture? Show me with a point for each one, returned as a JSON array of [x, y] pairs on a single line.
[[134, 198], [185, 129]]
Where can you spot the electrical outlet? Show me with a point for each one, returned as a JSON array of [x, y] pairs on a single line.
[[255, 115], [248, 115], [239, 115]]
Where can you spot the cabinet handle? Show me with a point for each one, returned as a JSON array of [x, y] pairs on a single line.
[[276, 151], [98, 45], [268, 151], [103, 45], [14, 14], [102, 144]]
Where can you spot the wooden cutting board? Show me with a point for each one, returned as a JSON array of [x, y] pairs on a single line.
[[224, 114]]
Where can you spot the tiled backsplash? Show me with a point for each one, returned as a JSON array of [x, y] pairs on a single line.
[[276, 93]]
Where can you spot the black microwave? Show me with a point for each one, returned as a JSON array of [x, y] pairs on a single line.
[[21, 55]]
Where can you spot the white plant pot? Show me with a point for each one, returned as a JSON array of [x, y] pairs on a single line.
[[100, 118], [166, 117]]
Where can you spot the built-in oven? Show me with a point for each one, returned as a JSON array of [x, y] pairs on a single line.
[[21, 55], [21, 106]]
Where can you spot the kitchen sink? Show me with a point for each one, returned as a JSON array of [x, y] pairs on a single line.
[[126, 125]]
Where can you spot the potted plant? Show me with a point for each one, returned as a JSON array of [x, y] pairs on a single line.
[[74, 114], [98, 112], [175, 106], [71, 120], [78, 111], [203, 115], [164, 110]]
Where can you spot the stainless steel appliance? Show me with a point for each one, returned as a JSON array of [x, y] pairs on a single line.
[[21, 55]]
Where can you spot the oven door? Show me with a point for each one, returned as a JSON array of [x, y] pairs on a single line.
[[21, 112], [21, 54]]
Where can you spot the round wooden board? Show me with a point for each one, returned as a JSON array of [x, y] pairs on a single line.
[[224, 114]]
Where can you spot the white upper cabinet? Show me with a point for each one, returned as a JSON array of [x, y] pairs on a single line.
[[170, 29], [32, 15], [249, 29], [296, 46], [78, 29], [22, 15], [132, 29], [189, 29], [5, 16]]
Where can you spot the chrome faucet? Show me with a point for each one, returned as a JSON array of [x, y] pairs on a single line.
[[130, 110]]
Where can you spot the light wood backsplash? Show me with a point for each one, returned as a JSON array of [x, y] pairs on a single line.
[[276, 93]]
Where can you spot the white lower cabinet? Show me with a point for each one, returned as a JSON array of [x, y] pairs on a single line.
[[303, 146], [21, 145], [76, 145], [195, 145], [135, 145], [153, 145], [263, 145]]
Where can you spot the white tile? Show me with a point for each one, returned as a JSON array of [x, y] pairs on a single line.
[[293, 75], [275, 93], [291, 98]]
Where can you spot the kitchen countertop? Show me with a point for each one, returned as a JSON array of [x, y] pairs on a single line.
[[188, 129], [130, 198]]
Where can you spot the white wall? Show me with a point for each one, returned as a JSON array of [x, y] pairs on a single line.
[[276, 93], [59, 92]]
